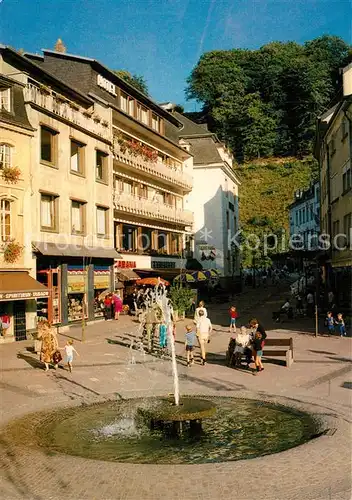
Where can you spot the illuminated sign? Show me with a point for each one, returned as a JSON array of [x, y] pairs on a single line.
[[106, 85]]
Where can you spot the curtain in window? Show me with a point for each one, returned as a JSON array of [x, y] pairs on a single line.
[[100, 221], [5, 155], [76, 217], [45, 211]]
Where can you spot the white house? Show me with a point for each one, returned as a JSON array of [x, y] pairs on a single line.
[[304, 218], [213, 199]]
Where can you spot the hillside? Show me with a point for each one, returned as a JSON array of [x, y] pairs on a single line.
[[267, 190]]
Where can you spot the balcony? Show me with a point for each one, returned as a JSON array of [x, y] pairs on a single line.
[[155, 168], [46, 98], [151, 209]]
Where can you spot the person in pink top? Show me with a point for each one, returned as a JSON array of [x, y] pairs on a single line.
[[117, 301]]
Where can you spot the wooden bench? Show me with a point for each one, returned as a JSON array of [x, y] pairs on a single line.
[[281, 347]]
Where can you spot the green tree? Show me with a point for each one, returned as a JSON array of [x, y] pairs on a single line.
[[136, 81]]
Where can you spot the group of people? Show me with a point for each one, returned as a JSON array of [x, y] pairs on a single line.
[[247, 342], [50, 350], [112, 306], [337, 321]]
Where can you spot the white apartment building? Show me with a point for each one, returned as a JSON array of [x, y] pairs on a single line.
[[214, 197], [304, 218]]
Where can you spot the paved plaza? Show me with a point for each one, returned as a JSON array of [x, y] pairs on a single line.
[[319, 381]]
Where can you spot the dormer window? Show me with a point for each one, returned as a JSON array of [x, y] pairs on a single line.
[[5, 155], [142, 114], [5, 99], [155, 122]]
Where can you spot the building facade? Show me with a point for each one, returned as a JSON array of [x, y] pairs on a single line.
[[214, 197], [333, 150], [68, 236], [18, 287], [151, 174], [304, 214]]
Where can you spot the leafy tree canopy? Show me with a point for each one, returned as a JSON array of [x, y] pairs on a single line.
[[136, 81], [264, 102]]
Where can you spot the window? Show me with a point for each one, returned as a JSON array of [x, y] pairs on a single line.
[[344, 129], [127, 187], [102, 214], [347, 227], [47, 145], [78, 217], [142, 114], [5, 220], [346, 178], [101, 160], [123, 102], [131, 106], [5, 99], [297, 218], [77, 157], [5, 155], [49, 212], [335, 187], [155, 122]]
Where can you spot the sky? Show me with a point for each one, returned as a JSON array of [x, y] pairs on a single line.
[[162, 40]]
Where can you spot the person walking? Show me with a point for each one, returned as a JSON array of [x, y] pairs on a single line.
[[117, 302], [190, 343], [50, 345], [69, 350], [201, 307], [310, 304], [151, 321], [204, 328]]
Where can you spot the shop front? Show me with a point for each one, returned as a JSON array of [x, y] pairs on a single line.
[[18, 295], [76, 283]]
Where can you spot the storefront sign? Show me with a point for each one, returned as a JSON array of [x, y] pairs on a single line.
[[75, 283], [162, 264], [106, 85], [126, 264], [102, 281], [23, 295]]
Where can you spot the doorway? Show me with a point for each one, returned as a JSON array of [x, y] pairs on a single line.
[[19, 316]]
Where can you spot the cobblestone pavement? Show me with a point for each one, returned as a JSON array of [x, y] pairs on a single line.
[[318, 381]]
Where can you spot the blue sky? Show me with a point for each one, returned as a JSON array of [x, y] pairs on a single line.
[[163, 39]]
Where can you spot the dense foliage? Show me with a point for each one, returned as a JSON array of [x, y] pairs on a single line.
[[267, 189], [136, 81], [265, 102]]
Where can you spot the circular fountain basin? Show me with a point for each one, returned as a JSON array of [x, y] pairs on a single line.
[[232, 429]]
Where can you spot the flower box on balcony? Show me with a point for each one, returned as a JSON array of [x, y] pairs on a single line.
[[96, 118], [105, 123], [88, 113], [74, 106], [61, 99], [43, 89]]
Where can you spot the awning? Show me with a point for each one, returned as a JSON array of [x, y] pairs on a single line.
[[18, 285], [62, 250], [342, 263], [127, 275]]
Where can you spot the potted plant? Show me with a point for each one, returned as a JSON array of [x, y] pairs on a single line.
[[12, 251], [11, 175], [87, 112], [96, 118], [105, 123], [181, 298]]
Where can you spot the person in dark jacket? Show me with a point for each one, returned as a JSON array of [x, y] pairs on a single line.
[[258, 351], [257, 327]]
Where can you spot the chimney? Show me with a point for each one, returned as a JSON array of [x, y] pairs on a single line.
[[59, 46]]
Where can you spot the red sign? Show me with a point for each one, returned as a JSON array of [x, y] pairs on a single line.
[[126, 264]]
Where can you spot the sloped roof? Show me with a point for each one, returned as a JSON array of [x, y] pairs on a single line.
[[190, 127], [204, 150]]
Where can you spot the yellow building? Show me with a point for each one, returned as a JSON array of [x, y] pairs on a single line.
[[152, 174], [334, 147], [68, 232]]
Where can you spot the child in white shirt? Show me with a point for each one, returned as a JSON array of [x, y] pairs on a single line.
[[69, 350]]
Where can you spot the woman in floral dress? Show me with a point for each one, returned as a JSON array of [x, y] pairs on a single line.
[[50, 344]]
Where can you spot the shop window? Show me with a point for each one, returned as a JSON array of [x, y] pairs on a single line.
[[5, 100], [5, 220], [77, 157], [5, 155], [101, 166], [48, 145], [78, 217], [102, 221], [49, 212], [142, 114]]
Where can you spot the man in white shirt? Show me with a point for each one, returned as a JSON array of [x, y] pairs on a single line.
[[204, 328]]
